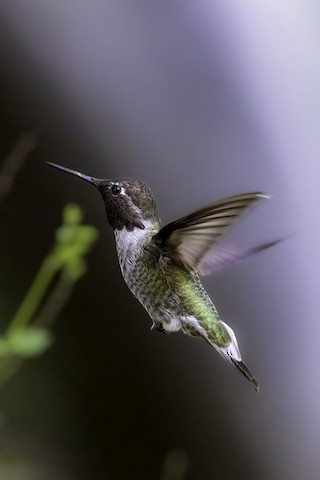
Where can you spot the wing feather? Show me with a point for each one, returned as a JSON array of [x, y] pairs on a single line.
[[189, 239]]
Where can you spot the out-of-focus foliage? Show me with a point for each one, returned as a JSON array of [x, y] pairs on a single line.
[[27, 334]]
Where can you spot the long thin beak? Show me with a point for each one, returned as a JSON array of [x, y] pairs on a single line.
[[93, 180]]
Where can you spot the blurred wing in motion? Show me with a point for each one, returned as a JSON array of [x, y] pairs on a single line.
[[223, 256], [188, 240]]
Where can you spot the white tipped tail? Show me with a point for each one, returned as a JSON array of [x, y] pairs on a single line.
[[233, 355]]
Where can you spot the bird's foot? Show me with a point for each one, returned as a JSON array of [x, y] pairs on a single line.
[[158, 327]]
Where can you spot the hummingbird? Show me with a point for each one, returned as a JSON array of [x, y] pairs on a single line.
[[162, 265]]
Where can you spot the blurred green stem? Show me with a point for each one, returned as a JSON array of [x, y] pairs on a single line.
[[37, 291], [27, 334], [55, 301]]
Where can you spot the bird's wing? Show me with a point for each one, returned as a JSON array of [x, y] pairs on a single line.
[[188, 241], [223, 255]]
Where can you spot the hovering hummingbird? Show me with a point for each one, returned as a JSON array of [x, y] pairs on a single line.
[[161, 264]]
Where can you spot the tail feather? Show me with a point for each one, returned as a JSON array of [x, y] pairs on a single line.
[[246, 372], [232, 354]]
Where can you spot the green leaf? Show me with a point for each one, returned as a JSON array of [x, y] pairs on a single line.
[[29, 342]]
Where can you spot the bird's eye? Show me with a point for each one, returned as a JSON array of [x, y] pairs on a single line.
[[115, 189]]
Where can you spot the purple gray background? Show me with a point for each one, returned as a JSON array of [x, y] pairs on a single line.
[[201, 100]]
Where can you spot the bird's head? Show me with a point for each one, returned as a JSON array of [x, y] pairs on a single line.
[[129, 203]]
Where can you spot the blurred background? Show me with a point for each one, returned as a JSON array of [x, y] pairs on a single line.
[[200, 100]]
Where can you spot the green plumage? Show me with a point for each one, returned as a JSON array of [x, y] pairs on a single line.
[[168, 292], [161, 264]]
